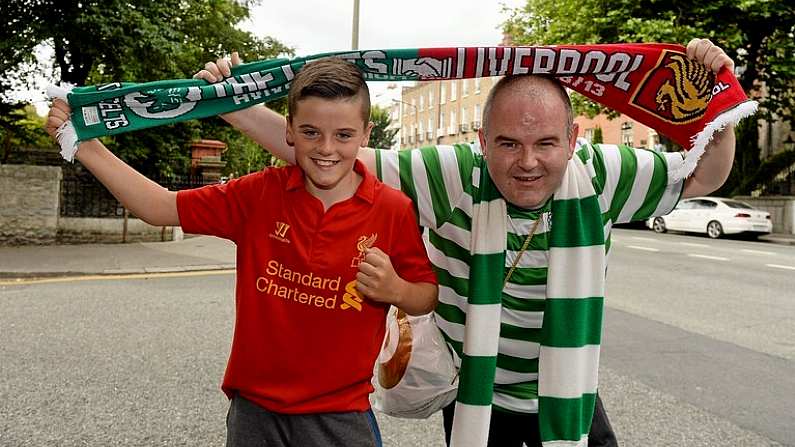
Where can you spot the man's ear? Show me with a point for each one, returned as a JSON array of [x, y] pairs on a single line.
[[482, 138], [575, 130], [289, 137]]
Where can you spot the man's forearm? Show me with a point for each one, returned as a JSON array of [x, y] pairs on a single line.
[[144, 198], [265, 127], [715, 165]]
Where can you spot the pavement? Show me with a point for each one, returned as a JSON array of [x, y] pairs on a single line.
[[193, 253], [190, 254]]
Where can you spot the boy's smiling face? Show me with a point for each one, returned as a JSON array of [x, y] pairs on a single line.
[[327, 135]]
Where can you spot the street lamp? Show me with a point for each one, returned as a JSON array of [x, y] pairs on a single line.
[[355, 30]]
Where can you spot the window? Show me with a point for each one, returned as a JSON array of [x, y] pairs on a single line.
[[453, 123], [422, 103], [453, 85], [626, 133], [476, 115], [464, 87], [737, 204], [430, 127], [477, 85], [414, 105], [441, 124], [706, 204], [430, 100], [588, 135], [464, 116], [442, 95]]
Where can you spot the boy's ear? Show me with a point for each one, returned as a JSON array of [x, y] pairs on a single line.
[[288, 134], [366, 137]]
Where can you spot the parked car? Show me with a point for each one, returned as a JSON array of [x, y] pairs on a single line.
[[714, 216]]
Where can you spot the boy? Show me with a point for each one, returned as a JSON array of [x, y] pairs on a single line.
[[314, 279]]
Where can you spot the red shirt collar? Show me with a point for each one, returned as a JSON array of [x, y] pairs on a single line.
[[365, 191]]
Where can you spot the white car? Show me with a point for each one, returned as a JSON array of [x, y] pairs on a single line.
[[714, 216]]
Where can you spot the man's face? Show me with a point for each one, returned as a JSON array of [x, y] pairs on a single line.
[[327, 135], [527, 144]]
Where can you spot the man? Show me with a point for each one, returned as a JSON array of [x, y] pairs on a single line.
[[323, 249], [528, 142]]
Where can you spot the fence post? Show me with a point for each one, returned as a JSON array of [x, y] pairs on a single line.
[[124, 228]]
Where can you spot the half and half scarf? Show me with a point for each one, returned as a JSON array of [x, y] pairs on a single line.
[[654, 84]]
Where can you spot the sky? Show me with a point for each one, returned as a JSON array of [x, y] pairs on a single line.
[[319, 26]]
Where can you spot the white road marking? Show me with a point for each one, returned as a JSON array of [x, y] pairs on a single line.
[[638, 247], [693, 244], [758, 252], [777, 266], [644, 238], [714, 258]]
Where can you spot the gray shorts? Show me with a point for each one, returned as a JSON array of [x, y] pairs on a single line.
[[249, 425]]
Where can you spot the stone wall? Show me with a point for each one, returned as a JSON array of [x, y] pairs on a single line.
[[85, 230], [781, 209], [29, 204]]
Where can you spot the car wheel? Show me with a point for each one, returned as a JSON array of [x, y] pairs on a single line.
[[658, 225], [714, 229]]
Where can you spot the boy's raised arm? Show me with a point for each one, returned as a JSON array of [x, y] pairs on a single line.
[[144, 198]]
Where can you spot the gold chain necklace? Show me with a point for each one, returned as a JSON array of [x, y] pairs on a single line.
[[521, 252]]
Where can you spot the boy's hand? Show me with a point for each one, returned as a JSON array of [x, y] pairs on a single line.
[[59, 114], [218, 70], [377, 278], [710, 55]]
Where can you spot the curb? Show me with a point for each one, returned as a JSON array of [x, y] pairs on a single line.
[[112, 272]]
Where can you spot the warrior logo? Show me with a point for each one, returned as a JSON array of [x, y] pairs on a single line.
[[164, 103], [362, 245], [677, 90]]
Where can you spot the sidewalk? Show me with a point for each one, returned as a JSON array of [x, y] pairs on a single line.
[[192, 253], [784, 239]]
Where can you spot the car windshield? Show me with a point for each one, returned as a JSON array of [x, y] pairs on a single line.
[[736, 204]]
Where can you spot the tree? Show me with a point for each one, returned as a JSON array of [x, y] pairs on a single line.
[[99, 41], [597, 136], [381, 136], [757, 34]]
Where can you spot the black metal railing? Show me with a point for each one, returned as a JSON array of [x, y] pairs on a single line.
[[85, 196]]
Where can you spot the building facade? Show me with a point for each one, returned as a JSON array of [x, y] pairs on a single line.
[[442, 112], [620, 130]]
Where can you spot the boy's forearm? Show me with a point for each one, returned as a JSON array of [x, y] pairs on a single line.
[[714, 166], [144, 198], [264, 126], [417, 298]]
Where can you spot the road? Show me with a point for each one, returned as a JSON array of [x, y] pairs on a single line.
[[699, 350]]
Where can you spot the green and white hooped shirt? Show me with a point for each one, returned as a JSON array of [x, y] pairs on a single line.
[[631, 184]]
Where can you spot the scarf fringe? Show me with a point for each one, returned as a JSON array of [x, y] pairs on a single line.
[[700, 140], [66, 134]]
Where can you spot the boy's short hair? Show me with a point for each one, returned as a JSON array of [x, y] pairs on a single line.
[[329, 78]]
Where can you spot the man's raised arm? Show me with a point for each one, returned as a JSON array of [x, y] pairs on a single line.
[[715, 165]]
